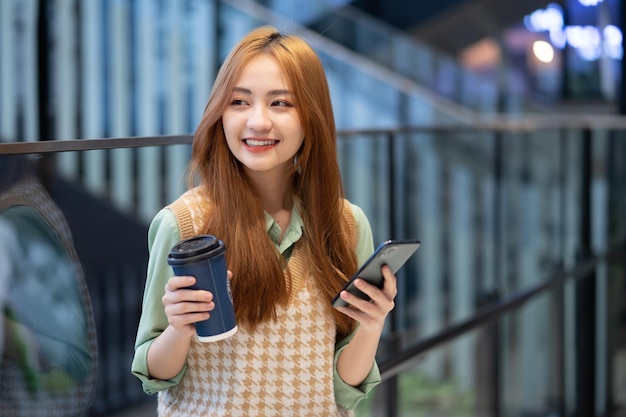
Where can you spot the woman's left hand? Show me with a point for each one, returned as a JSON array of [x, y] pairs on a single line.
[[371, 314]]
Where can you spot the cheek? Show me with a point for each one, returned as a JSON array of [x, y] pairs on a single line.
[[226, 123], [300, 144], [229, 131], [301, 136], [297, 132]]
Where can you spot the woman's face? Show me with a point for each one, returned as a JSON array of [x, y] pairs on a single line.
[[261, 124]]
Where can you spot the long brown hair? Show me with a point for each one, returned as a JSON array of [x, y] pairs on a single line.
[[260, 281]]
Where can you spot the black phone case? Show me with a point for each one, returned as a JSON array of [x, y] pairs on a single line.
[[393, 253]]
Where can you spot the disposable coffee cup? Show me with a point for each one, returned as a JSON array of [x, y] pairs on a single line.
[[203, 258]]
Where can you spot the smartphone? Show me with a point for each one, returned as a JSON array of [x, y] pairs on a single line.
[[393, 253]]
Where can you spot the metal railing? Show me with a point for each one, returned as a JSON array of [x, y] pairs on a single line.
[[423, 181]]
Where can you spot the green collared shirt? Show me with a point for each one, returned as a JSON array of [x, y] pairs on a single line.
[[164, 233]]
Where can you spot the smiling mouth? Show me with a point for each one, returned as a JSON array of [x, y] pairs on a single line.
[[255, 142]]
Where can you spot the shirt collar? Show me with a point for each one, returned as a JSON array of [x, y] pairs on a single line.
[[292, 234]]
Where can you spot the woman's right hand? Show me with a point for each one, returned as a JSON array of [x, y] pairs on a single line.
[[185, 306]]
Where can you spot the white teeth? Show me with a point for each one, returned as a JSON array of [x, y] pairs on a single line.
[[252, 142]]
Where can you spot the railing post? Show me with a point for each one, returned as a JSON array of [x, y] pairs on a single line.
[[585, 313], [45, 115], [494, 328], [562, 347], [391, 386], [621, 95], [44, 98]]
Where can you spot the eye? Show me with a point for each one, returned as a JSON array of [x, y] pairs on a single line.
[[281, 103], [238, 102]]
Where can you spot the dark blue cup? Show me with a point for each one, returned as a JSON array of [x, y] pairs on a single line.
[[203, 257]]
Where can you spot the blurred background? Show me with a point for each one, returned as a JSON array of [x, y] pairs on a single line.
[[492, 131]]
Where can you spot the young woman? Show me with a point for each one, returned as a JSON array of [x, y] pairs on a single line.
[[265, 180]]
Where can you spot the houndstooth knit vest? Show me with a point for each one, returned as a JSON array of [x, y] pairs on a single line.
[[284, 368]]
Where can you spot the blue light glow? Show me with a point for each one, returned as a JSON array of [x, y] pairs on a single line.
[[590, 42]]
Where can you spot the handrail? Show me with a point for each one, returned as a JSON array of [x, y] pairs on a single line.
[[54, 146], [492, 123], [405, 359], [409, 357]]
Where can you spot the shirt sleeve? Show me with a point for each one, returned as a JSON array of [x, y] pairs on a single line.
[[347, 395], [162, 235]]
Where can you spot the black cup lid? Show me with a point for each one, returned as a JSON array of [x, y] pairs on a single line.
[[194, 246]]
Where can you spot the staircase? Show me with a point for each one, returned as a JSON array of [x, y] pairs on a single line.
[[450, 25]]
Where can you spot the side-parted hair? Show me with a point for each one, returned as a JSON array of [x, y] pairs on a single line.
[[261, 280]]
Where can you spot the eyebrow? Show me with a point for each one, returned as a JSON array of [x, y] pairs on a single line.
[[269, 93]]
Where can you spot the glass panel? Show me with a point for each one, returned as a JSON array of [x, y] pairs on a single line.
[[73, 266], [364, 162], [496, 215], [616, 273], [47, 336]]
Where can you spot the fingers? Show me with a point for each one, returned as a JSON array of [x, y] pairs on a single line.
[[178, 287], [378, 304], [375, 310], [390, 286], [183, 305], [176, 283], [382, 296]]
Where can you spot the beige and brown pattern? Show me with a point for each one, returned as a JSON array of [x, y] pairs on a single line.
[[283, 368]]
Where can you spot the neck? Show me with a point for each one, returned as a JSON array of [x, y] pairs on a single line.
[[273, 191]]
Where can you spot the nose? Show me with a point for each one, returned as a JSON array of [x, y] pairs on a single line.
[[258, 119]]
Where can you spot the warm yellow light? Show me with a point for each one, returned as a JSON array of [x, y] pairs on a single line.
[[543, 51]]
